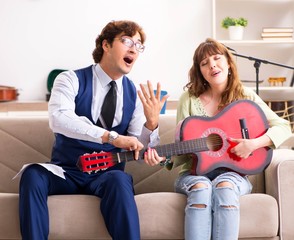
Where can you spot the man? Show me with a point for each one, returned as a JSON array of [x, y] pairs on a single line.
[[83, 124]]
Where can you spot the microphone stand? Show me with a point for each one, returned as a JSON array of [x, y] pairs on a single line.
[[257, 63]]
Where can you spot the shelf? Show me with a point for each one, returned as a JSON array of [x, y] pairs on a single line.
[[265, 1], [259, 13], [23, 106], [255, 42], [18, 106]]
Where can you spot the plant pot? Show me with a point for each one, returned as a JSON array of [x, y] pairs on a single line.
[[236, 32]]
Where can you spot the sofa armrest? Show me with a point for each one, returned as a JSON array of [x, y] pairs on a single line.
[[279, 179], [289, 143]]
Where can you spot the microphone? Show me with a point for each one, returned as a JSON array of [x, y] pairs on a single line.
[[231, 49]]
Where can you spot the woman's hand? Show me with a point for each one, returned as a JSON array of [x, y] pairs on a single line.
[[244, 147], [152, 158]]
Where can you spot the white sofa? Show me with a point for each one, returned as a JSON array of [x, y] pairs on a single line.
[[267, 214]]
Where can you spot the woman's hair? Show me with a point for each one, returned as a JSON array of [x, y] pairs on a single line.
[[198, 85], [111, 30]]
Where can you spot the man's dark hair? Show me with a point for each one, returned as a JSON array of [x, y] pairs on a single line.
[[111, 30]]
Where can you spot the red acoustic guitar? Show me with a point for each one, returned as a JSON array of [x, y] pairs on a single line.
[[207, 138]]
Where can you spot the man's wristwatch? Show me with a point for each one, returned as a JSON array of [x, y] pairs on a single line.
[[112, 136]]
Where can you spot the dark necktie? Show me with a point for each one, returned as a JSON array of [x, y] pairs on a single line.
[[108, 107]]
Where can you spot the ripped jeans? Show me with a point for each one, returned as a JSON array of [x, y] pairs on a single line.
[[218, 218]]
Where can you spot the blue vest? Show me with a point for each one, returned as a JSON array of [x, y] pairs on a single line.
[[66, 151]]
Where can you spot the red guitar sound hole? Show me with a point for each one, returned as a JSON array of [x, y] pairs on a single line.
[[216, 142]]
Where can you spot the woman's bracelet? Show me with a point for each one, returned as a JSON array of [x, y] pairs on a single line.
[[166, 161]]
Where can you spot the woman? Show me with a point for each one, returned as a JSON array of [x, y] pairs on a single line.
[[213, 209]]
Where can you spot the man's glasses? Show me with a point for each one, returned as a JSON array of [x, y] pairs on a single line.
[[130, 43]]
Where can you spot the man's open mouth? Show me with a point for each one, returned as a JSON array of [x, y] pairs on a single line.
[[128, 60]]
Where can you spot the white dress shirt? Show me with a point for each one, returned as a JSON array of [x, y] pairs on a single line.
[[63, 119]]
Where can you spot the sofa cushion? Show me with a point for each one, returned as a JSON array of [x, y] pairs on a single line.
[[9, 220], [161, 215], [259, 216]]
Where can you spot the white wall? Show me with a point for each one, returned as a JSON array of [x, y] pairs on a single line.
[[40, 35]]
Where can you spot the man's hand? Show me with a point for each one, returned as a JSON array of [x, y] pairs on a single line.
[[152, 104], [125, 142]]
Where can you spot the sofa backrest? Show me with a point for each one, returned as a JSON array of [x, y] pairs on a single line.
[[29, 139], [23, 140]]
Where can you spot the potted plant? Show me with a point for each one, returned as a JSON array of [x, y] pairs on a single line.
[[235, 26]]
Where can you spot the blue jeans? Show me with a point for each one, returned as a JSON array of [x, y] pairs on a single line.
[[219, 216]]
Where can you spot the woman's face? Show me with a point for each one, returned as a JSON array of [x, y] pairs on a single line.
[[215, 69]]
